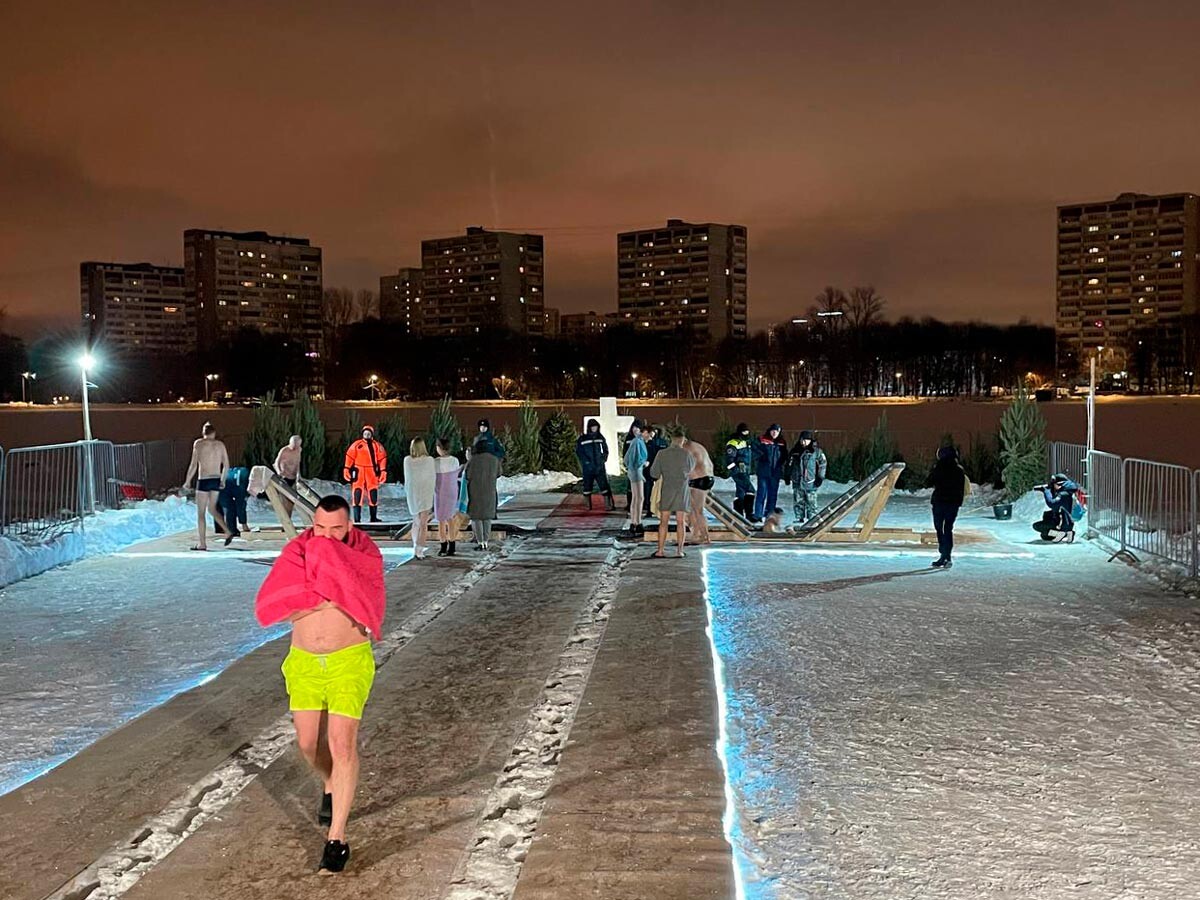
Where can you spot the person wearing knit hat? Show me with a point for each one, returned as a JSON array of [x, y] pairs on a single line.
[[738, 451], [805, 470], [491, 444]]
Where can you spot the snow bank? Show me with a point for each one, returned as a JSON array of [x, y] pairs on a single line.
[[104, 533]]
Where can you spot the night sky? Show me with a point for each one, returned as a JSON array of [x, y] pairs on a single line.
[[919, 147]]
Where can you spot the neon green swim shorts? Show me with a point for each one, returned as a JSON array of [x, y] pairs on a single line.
[[339, 682]]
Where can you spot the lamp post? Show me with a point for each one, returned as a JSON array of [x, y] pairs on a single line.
[[635, 390], [26, 377], [208, 380], [373, 386], [87, 361]]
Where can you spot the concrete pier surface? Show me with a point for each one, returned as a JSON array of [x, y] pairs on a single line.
[[616, 792]]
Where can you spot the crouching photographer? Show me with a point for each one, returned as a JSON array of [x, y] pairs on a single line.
[[1058, 521]]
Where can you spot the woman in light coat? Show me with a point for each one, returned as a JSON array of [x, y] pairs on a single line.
[[447, 469], [419, 480]]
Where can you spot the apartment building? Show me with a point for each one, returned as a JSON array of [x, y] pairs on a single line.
[[400, 298], [135, 308], [1127, 286], [684, 276]]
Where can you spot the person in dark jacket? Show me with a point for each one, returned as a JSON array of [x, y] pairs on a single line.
[[770, 453], [655, 441], [491, 443], [738, 452], [805, 472], [949, 483], [232, 500], [592, 450], [1060, 502]]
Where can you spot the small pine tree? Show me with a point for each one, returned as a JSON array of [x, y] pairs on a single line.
[[335, 458], [442, 424], [305, 421], [557, 437], [1022, 445], [267, 434], [721, 436], [982, 459], [524, 445], [876, 449], [511, 464], [840, 467], [393, 434]]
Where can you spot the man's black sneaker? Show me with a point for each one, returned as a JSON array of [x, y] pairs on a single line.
[[940, 562], [335, 857], [949, 564], [325, 816]]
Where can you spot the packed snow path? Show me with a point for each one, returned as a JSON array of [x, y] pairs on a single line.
[[466, 738], [1019, 727]]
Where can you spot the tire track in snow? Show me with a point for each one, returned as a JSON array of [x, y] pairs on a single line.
[[492, 860], [123, 865]]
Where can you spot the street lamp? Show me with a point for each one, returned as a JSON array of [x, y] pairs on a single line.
[[635, 384], [87, 361], [372, 385], [26, 377], [208, 380]]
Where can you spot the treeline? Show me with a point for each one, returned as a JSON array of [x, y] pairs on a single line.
[[533, 446], [841, 347]]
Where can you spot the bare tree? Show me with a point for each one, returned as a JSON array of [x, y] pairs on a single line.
[[337, 307], [864, 308], [367, 304]]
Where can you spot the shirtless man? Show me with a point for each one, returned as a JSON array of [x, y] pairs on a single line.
[[330, 667], [210, 462], [287, 465]]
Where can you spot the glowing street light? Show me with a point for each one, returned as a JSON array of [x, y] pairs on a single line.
[[26, 377], [635, 390], [208, 380], [372, 385], [87, 361]]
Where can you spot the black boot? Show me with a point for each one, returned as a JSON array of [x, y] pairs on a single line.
[[374, 513], [442, 549], [589, 500], [450, 552], [609, 503], [358, 514]]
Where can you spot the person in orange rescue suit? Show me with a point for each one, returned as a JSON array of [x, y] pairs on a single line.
[[365, 471]]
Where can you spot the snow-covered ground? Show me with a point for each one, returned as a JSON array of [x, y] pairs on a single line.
[[103, 533], [1023, 725], [90, 646]]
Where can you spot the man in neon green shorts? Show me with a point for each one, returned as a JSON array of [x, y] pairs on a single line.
[[328, 582]]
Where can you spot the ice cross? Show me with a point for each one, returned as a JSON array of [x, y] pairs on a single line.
[[612, 427]]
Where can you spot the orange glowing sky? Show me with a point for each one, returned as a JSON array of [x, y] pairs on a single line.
[[919, 147]]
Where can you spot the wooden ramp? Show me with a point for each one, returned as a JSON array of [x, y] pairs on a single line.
[[304, 501], [867, 498]]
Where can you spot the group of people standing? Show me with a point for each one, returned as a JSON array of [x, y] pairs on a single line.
[[445, 488]]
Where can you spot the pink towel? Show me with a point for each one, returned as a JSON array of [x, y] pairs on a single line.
[[313, 569]]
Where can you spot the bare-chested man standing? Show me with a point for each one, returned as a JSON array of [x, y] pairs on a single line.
[[210, 462], [328, 582], [287, 465]]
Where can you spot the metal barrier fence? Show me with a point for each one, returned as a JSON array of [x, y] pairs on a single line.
[[1140, 505], [1105, 496], [44, 490], [1159, 516], [1070, 459]]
